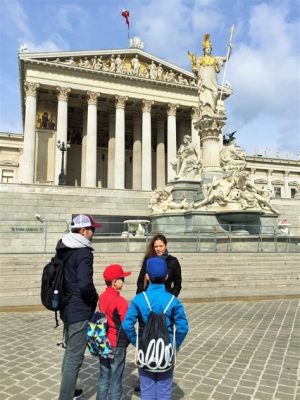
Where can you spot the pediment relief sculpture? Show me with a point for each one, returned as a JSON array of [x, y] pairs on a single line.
[[129, 64]]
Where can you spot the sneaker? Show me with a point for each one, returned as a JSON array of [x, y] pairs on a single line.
[[77, 394]]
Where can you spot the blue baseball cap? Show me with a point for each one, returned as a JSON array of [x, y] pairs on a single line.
[[156, 267]]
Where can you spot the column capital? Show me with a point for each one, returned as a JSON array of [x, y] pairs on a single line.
[[270, 171], [31, 88], [195, 112], [92, 97], [286, 173], [171, 110], [146, 105], [63, 93], [120, 101], [253, 170]]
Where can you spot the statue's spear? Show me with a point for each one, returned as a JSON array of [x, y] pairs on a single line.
[[226, 62]]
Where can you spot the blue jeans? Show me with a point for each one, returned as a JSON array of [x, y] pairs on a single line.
[[156, 385], [75, 340], [110, 378]]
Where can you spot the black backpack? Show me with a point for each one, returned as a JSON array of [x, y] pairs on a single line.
[[52, 295], [154, 351]]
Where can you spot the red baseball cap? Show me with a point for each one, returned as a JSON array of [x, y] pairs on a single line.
[[114, 271]]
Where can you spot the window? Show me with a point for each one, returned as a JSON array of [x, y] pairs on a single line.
[[293, 192], [277, 192], [7, 176]]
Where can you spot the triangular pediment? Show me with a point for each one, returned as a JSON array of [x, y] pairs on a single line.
[[131, 63]]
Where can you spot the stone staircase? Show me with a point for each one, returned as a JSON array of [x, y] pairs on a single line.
[[206, 276]]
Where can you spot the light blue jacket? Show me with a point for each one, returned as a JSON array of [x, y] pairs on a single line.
[[158, 298]]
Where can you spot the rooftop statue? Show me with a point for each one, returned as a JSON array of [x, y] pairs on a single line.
[[206, 69]]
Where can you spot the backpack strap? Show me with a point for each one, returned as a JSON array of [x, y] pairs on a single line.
[[63, 260], [168, 305], [147, 300]]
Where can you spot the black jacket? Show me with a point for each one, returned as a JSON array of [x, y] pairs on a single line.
[[78, 284], [172, 284]]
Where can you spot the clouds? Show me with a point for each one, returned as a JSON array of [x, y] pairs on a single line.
[[72, 17], [263, 70], [17, 18], [264, 73]]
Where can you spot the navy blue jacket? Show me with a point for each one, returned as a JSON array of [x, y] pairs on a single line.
[[78, 284]]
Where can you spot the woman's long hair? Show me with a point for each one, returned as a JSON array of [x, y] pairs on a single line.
[[150, 252]]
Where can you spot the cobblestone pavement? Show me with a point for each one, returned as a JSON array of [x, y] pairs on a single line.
[[234, 351]]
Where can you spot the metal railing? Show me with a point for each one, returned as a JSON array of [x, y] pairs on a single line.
[[40, 236]]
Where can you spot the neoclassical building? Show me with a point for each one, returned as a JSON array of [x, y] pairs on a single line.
[[122, 114]]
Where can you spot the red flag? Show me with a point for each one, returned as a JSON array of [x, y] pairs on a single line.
[[125, 14]]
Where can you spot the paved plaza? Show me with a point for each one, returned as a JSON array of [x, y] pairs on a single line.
[[234, 351]]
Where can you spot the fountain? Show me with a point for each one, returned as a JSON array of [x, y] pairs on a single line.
[[211, 191]]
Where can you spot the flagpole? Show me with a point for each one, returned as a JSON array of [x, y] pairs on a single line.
[[226, 62]]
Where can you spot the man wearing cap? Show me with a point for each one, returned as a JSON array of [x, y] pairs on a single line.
[[115, 307], [156, 385], [82, 297]]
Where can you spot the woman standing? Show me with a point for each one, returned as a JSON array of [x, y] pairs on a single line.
[[158, 247]]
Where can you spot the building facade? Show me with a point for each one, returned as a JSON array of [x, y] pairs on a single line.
[[123, 114]]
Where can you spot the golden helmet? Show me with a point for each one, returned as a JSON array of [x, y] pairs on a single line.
[[206, 42]]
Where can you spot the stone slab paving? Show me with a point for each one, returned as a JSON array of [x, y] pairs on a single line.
[[234, 351]]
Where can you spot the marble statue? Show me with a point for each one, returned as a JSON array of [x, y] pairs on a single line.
[[136, 43], [250, 195], [135, 63], [235, 187], [188, 163], [99, 63], [152, 70], [217, 191], [206, 69], [160, 72], [119, 64], [112, 66], [230, 158], [162, 201]]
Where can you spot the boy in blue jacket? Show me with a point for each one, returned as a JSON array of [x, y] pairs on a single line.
[[156, 385]]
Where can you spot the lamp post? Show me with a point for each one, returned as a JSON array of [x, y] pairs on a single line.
[[62, 178]]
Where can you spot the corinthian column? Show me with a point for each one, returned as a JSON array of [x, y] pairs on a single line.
[[62, 128], [137, 154], [28, 162], [111, 151], [119, 180], [171, 133], [146, 145], [91, 141], [160, 155], [83, 146]]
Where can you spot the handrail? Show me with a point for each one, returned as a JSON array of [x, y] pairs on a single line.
[[41, 235]]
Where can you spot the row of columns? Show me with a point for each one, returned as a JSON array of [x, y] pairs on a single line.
[[142, 148]]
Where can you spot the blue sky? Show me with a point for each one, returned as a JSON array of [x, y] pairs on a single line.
[[264, 69]]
